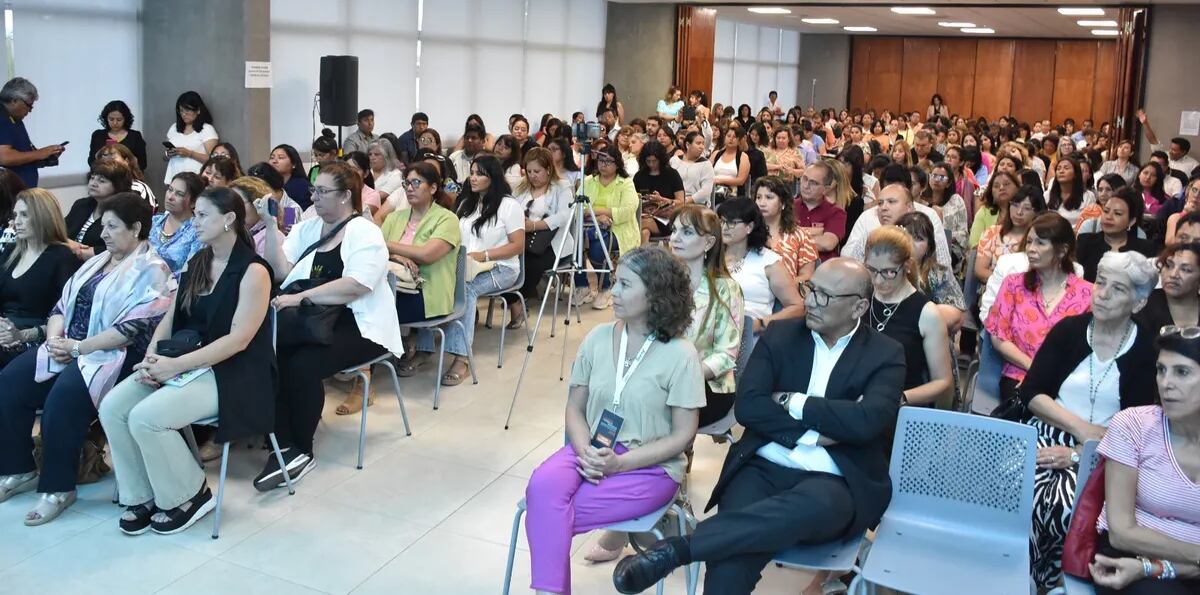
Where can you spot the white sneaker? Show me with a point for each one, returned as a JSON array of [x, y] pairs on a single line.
[[603, 300], [582, 296]]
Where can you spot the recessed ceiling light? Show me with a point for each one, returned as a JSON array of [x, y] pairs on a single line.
[[769, 10], [1097, 23], [1082, 12], [820, 21], [978, 30], [955, 25], [861, 29], [1106, 32], [913, 10]]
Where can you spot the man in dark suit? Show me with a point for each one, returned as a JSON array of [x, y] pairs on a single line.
[[818, 398]]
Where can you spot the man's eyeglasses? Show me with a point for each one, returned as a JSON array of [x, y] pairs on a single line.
[[810, 182], [820, 296], [1186, 332], [887, 274]]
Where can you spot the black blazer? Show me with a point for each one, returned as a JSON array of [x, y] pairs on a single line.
[[1066, 346], [871, 367], [1090, 248]]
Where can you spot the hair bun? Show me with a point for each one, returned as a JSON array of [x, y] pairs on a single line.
[[327, 133]]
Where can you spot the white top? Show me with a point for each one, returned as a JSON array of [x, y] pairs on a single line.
[[631, 165], [726, 169], [856, 243], [512, 175], [756, 288], [1089, 198], [494, 234], [806, 454], [391, 183], [697, 179], [364, 259], [1006, 265], [1075, 392], [553, 207], [142, 188], [462, 165], [1185, 165], [193, 141]]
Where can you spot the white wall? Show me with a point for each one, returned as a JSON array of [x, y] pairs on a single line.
[[750, 61], [491, 57]]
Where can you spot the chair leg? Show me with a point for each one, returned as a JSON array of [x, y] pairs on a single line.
[[491, 306], [437, 382], [362, 425], [658, 589], [504, 315], [287, 477], [399, 397], [190, 437], [220, 491], [116, 499], [512, 548], [470, 356]]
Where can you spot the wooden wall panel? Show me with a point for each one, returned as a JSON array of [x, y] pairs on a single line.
[[1074, 80], [860, 73], [1033, 80], [993, 78], [956, 73], [920, 74], [1105, 93], [886, 67]]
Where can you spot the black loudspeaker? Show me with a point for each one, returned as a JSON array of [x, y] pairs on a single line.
[[339, 90]]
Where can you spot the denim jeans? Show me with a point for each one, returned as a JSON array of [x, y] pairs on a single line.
[[595, 255], [458, 342]]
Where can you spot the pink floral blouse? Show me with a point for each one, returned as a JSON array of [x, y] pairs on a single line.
[[1019, 315]]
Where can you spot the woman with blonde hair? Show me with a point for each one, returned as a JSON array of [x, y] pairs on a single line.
[[903, 313], [546, 198], [901, 153], [668, 107], [33, 271]]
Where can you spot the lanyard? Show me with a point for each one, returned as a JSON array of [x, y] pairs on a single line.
[[622, 379]]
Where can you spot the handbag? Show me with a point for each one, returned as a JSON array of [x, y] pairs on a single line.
[[537, 242], [308, 323], [1012, 409], [181, 343], [406, 280], [474, 267], [1083, 540]]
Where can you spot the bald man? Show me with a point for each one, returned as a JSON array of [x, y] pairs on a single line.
[[894, 201], [818, 398]]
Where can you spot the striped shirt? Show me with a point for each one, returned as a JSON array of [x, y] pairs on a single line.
[[1167, 501]]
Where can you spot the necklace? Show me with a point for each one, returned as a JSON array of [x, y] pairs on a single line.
[[881, 321], [735, 266], [1093, 383]]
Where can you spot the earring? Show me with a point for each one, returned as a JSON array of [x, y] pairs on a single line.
[[226, 227]]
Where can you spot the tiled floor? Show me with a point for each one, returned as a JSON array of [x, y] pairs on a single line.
[[429, 514]]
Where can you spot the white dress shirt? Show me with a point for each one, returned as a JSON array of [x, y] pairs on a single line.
[[856, 244], [807, 455]]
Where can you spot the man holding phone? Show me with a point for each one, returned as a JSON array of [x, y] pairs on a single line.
[[16, 149]]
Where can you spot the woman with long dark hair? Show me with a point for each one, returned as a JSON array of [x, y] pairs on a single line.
[[1149, 184], [286, 160], [608, 100], [508, 151], [116, 127], [1067, 193], [192, 137]]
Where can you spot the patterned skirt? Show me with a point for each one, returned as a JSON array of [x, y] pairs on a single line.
[[1053, 502]]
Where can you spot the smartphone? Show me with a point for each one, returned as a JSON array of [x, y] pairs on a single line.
[[272, 207], [168, 144], [64, 143]]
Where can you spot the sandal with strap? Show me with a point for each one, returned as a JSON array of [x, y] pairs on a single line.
[[12, 485], [353, 402], [49, 507], [136, 519], [410, 367], [452, 378]]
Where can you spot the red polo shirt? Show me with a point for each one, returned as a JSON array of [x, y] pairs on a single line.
[[827, 217]]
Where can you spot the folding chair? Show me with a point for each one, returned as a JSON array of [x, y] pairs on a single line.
[[434, 324], [962, 500], [642, 524], [499, 295], [1087, 464]]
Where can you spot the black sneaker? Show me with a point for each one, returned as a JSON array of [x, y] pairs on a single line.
[[298, 464], [177, 520], [140, 523]]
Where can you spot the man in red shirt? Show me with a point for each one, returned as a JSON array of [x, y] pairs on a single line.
[[816, 213]]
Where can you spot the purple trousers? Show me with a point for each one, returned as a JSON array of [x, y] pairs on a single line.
[[560, 504]]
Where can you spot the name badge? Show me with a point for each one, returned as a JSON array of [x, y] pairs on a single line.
[[607, 430]]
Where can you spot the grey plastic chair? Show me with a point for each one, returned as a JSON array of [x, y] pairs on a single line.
[[361, 372], [838, 557], [455, 317], [499, 295], [1087, 464], [962, 500], [968, 388], [985, 396], [724, 426], [642, 524]]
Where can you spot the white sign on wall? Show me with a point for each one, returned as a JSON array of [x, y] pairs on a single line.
[[258, 75]]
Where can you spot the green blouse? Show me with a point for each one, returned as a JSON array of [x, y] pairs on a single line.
[[718, 336], [620, 196], [440, 224]]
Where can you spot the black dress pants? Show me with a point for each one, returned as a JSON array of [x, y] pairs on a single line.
[[767, 508]]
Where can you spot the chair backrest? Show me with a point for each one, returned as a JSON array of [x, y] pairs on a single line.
[[460, 283], [986, 394], [748, 342], [1087, 464], [971, 284], [966, 471]]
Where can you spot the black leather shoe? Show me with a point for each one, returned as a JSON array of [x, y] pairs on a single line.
[[637, 573]]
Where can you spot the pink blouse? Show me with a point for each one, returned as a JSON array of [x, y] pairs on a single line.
[[1019, 315]]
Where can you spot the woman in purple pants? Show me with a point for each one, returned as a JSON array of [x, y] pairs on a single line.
[[640, 371]]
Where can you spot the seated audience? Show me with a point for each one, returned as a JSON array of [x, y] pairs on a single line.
[[1149, 541], [1118, 232], [784, 483], [1009, 235], [1089, 219], [289, 212], [1090, 366], [107, 179], [227, 150], [1029, 304], [509, 152], [1067, 193], [1176, 302], [1123, 164], [193, 136], [324, 148], [338, 258], [818, 212], [935, 281], [358, 161], [33, 270], [120, 153], [949, 207], [894, 201], [773, 197], [695, 171], [116, 121], [388, 177], [173, 233], [546, 198], [10, 186], [764, 280], [615, 202], [97, 331], [783, 159], [906, 315], [219, 172], [491, 225], [657, 391], [566, 163], [285, 160], [1149, 184], [731, 166], [660, 189], [1191, 204], [222, 297], [253, 190]]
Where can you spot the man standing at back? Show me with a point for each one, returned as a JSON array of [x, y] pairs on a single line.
[[408, 140], [818, 398]]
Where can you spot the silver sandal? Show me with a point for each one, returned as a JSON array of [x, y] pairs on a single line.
[[11, 485], [49, 507]]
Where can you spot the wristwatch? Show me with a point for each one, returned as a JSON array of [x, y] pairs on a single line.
[[75, 351], [1074, 458]]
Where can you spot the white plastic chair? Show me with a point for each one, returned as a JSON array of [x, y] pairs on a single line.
[[504, 315], [962, 500], [434, 324], [642, 524]]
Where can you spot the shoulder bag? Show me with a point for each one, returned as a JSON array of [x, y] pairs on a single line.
[[308, 323]]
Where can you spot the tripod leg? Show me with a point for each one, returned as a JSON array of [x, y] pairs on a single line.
[[554, 284]]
